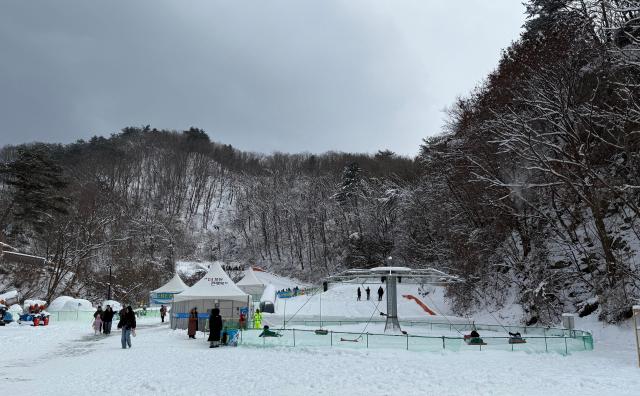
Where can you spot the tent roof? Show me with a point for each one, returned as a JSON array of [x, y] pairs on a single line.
[[175, 285], [216, 284], [250, 279]]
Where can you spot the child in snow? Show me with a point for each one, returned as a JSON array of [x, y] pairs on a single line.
[[97, 324]]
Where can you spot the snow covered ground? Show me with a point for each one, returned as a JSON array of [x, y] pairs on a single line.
[[66, 358]]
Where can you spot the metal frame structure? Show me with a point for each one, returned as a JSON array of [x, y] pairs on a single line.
[[391, 276]]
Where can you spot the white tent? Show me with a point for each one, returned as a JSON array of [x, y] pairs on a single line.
[[215, 289], [165, 293], [250, 284]]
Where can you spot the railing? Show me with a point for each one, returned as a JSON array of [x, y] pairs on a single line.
[[563, 341], [460, 327]]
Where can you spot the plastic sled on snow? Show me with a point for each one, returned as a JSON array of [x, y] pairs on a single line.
[[473, 340]]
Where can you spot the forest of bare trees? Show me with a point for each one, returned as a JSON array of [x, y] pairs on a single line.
[[531, 193]]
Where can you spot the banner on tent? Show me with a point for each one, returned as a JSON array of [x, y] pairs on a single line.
[[185, 315], [161, 298]]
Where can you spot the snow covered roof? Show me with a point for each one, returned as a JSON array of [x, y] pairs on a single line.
[[250, 279], [175, 285], [216, 284]]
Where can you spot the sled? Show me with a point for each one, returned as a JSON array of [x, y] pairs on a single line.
[[322, 332], [473, 340], [517, 341], [349, 340]]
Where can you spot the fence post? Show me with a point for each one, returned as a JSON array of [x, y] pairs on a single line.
[[331, 337], [545, 344], [443, 343], [294, 337], [367, 339], [566, 349], [407, 342]]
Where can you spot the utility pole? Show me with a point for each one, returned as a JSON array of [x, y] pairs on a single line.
[[109, 284], [636, 327]]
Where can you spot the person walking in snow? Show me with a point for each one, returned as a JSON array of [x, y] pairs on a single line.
[[128, 325], [193, 323], [368, 292], [359, 294], [380, 293], [97, 324], [163, 312], [96, 314], [107, 319], [215, 327]]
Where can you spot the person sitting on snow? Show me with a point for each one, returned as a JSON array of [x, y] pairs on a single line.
[[268, 333]]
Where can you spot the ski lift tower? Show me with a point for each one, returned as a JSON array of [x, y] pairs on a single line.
[[391, 276]]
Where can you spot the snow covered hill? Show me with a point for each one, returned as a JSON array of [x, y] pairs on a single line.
[[340, 303]]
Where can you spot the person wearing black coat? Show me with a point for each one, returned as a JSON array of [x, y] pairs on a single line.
[[107, 319], [128, 325], [380, 293], [215, 327]]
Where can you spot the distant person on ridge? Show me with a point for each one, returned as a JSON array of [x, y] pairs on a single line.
[[380, 293], [359, 294], [368, 292]]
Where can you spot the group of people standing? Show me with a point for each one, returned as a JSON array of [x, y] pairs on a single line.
[[368, 291], [215, 326], [103, 319]]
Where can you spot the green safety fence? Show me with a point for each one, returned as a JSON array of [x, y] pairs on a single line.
[[561, 341]]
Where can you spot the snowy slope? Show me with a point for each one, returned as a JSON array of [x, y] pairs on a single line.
[[339, 303]]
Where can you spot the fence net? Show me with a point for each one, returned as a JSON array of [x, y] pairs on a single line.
[[536, 339]]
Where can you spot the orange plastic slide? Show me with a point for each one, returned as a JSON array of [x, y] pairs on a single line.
[[420, 303]]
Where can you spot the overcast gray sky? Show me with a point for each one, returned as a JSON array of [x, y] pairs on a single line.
[[262, 75]]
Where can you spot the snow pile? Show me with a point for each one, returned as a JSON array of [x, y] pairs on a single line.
[[115, 305], [16, 310], [9, 296], [28, 303], [66, 303], [58, 303]]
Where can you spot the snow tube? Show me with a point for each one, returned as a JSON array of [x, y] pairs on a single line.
[[8, 317]]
